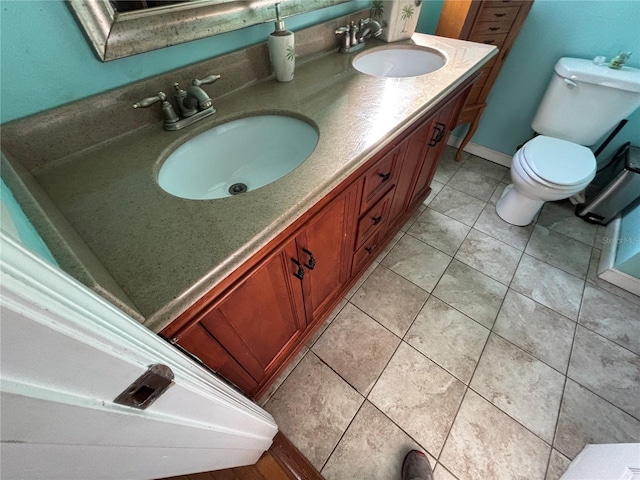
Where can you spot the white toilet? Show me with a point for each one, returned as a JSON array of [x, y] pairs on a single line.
[[583, 102]]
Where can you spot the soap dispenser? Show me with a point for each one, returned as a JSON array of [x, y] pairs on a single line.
[[282, 51]]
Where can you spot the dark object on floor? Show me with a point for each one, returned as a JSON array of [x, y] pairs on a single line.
[[416, 466], [614, 188]]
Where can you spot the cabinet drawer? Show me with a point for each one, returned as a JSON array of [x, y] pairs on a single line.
[[374, 220], [506, 15], [368, 249], [493, 28], [493, 39], [379, 179]]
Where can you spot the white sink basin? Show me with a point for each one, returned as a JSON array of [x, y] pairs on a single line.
[[397, 62], [238, 156]]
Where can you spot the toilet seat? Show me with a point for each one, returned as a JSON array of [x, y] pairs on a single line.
[[531, 177], [557, 163]]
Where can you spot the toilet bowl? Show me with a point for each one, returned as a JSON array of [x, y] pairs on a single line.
[[544, 169]]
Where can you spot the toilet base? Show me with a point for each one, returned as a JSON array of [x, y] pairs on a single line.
[[516, 209]]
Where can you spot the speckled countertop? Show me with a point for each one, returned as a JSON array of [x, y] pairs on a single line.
[[166, 252]]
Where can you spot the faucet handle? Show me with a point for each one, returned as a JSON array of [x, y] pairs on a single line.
[[208, 79], [147, 102]]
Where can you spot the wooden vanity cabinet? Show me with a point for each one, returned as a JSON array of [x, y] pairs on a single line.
[[494, 22], [252, 324], [260, 320]]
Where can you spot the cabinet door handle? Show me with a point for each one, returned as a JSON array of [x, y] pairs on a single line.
[[440, 129], [312, 261], [368, 249], [300, 273], [376, 220], [493, 29], [499, 15], [489, 42], [384, 176]]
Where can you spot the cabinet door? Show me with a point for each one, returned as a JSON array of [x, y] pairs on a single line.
[[415, 149], [325, 250], [441, 127], [257, 321]]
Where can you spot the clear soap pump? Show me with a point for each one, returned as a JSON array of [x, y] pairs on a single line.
[[282, 51]]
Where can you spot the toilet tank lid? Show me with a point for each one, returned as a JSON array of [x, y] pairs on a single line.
[[559, 161], [581, 70]]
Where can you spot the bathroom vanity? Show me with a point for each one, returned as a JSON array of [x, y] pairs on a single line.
[[242, 282]]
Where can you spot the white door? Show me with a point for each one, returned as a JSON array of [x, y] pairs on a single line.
[[66, 354]]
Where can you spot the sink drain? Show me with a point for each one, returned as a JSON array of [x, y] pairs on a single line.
[[237, 188]]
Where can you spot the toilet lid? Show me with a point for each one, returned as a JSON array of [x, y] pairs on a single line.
[[558, 161]]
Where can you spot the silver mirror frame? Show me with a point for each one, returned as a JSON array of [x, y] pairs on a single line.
[[116, 35]]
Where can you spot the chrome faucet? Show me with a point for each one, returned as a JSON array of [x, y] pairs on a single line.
[[353, 35], [193, 103], [369, 28]]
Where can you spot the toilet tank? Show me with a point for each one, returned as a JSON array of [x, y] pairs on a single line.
[[584, 101]]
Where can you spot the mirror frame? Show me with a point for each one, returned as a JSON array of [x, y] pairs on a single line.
[[116, 35]]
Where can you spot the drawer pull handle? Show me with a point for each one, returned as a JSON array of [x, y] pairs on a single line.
[[300, 273], [493, 29], [376, 220], [489, 42], [368, 249], [384, 176], [312, 261], [439, 134], [499, 15]]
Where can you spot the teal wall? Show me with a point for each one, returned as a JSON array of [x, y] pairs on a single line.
[[556, 28], [26, 233], [46, 62]]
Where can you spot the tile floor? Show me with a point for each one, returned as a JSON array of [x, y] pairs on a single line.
[[494, 348]]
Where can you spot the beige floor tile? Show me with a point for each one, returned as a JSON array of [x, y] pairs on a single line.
[[607, 370], [327, 322], [439, 231], [520, 385], [592, 277], [558, 464], [473, 293], [473, 184], [356, 347], [458, 205], [372, 448], [447, 166], [390, 299], [490, 223], [489, 256], [601, 237], [313, 408], [448, 337], [407, 225], [441, 473], [485, 443], [361, 280], [560, 217], [389, 247], [435, 189], [282, 377], [418, 262], [485, 167], [549, 286], [587, 418], [536, 329], [612, 317], [497, 193], [418, 396], [560, 251]]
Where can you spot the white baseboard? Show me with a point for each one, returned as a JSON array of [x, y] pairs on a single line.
[[606, 268], [482, 152]]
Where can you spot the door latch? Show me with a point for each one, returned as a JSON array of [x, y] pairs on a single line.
[[147, 388]]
